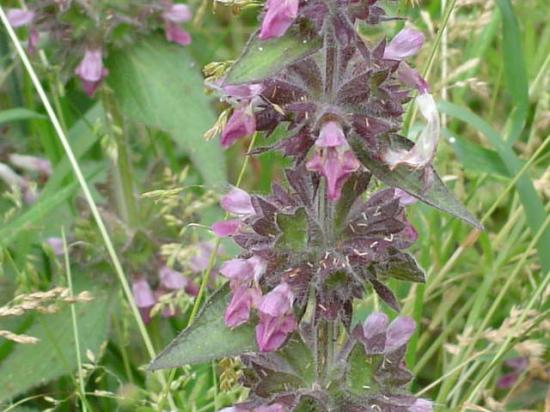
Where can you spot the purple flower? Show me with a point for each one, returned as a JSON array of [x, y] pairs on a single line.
[[177, 13], [31, 163], [226, 227], [279, 17], [238, 202], [378, 337], [243, 269], [200, 260], [331, 135], [404, 198], [242, 301], [271, 332], [335, 164], [173, 15], [421, 405], [507, 380], [398, 333], [519, 363], [412, 78], [278, 302], [56, 244], [242, 123], [176, 34], [423, 151], [405, 44], [91, 70], [143, 294], [243, 91], [171, 279], [19, 17]]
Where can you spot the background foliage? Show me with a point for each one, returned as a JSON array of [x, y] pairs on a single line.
[[487, 293]]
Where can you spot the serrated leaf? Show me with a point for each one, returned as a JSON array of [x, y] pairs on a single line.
[[207, 338], [28, 366], [18, 114], [159, 85], [412, 181], [294, 230], [263, 58]]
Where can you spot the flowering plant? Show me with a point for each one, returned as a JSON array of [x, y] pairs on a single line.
[[310, 250]]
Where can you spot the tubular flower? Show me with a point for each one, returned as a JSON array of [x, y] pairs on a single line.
[[173, 16], [242, 123], [91, 71], [236, 202], [279, 17]]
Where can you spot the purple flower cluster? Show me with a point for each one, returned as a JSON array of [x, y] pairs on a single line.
[[91, 70], [309, 250]]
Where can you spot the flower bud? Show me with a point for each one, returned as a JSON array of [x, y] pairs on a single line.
[[238, 310], [278, 302], [405, 44], [271, 332]]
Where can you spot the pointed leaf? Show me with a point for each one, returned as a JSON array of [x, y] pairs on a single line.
[[294, 230], [207, 338], [263, 58], [400, 266], [159, 85], [412, 181]]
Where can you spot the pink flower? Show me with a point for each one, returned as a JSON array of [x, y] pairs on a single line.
[[412, 78], [19, 17], [242, 123], [279, 17], [173, 15], [238, 202], [399, 332], [143, 294], [243, 91], [171, 279], [278, 302], [226, 227], [423, 151], [176, 34], [335, 164], [243, 269], [271, 332], [405, 44], [404, 198], [56, 244], [331, 135], [199, 262], [91, 70], [177, 13], [242, 301]]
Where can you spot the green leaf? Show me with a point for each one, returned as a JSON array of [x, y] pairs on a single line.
[[361, 370], [534, 209], [263, 58], [18, 114], [158, 84], [207, 338], [515, 70], [476, 158], [412, 181], [294, 230], [28, 366]]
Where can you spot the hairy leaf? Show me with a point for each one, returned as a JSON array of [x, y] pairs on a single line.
[[263, 58], [413, 182], [207, 338]]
